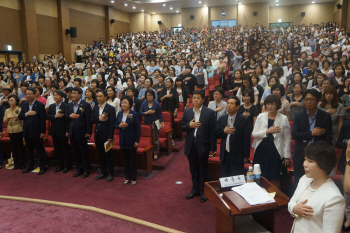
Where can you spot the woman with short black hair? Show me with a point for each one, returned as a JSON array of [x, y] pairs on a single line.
[[317, 204]]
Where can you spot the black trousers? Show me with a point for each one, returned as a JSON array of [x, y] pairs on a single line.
[[62, 151], [18, 151], [37, 144], [130, 164], [80, 154], [198, 168], [106, 158], [229, 167]]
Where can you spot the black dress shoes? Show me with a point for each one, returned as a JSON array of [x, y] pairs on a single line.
[[99, 177], [344, 228], [27, 170], [65, 170], [59, 169], [42, 171], [203, 198], [78, 173], [192, 195], [15, 168], [109, 178], [86, 174]]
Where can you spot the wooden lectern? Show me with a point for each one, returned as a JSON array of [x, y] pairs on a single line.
[[235, 205]]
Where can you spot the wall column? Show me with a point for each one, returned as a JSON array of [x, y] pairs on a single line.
[[63, 24], [109, 14], [30, 39]]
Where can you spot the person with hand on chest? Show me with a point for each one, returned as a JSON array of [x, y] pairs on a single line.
[[235, 139], [59, 123], [34, 128], [79, 132], [104, 116], [200, 124]]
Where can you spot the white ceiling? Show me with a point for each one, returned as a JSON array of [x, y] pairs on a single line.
[[156, 6]]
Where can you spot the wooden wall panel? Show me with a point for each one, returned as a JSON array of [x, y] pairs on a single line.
[[10, 29], [87, 7], [89, 27], [121, 27], [48, 34], [121, 16], [12, 4], [46, 7]]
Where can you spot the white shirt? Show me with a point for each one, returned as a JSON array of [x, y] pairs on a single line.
[[49, 101], [101, 109], [197, 115], [116, 104]]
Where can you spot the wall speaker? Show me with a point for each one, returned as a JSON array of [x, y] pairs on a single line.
[[191, 16], [159, 22], [112, 20], [302, 13], [67, 31], [255, 13], [73, 32], [338, 6]]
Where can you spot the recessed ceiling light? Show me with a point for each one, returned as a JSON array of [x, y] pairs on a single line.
[[177, 11], [313, 2], [277, 4], [164, 4], [276, 0], [134, 7], [142, 10], [112, 1], [171, 8], [125, 4], [153, 13], [199, 2], [239, 3]]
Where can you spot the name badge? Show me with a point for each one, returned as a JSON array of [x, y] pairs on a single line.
[[232, 181]]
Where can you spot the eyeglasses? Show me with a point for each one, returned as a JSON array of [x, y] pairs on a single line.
[[309, 100]]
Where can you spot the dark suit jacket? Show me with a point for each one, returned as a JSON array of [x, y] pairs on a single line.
[[81, 125], [344, 134], [302, 134], [169, 104], [1, 118], [206, 137], [58, 126], [130, 134], [34, 125], [104, 129], [239, 141], [137, 106]]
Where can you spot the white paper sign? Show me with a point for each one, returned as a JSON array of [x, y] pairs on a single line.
[[232, 181]]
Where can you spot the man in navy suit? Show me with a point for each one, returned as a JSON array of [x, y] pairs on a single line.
[[235, 139], [200, 124], [79, 132], [59, 124], [103, 115], [309, 125], [34, 128]]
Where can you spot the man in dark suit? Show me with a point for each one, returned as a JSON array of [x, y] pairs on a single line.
[[235, 139], [137, 102], [103, 115], [309, 125], [59, 124], [34, 128], [79, 132], [200, 124]]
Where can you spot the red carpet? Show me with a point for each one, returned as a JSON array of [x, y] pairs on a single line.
[[156, 199], [17, 216]]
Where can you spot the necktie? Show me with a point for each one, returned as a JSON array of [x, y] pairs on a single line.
[[228, 137]]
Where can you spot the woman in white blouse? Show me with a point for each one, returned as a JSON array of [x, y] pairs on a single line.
[[218, 105], [317, 204], [79, 53], [112, 99], [306, 48], [215, 63]]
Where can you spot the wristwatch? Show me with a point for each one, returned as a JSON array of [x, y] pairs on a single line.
[[348, 162]]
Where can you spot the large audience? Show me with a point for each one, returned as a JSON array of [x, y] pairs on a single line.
[[275, 71]]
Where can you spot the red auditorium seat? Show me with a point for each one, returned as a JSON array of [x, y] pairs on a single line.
[[50, 152], [337, 178], [180, 112], [165, 134]]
